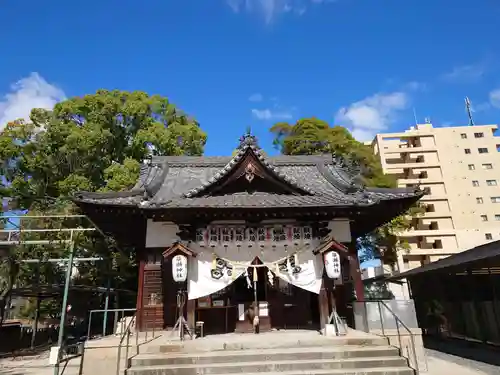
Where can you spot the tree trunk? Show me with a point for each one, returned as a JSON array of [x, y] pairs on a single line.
[[6, 295]]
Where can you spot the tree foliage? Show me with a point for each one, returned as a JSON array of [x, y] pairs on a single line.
[[90, 143], [311, 136]]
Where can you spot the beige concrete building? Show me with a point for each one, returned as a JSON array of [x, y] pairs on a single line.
[[459, 167]]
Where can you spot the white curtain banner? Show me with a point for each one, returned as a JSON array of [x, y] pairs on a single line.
[[204, 279], [298, 267], [304, 271]]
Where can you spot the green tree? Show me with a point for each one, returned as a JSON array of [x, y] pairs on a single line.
[[311, 136], [90, 143]]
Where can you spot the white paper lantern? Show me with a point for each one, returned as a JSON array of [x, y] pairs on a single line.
[[332, 265], [179, 268]]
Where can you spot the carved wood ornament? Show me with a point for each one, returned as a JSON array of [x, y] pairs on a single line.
[[250, 172]]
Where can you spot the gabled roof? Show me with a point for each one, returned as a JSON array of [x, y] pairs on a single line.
[[168, 182], [248, 163]]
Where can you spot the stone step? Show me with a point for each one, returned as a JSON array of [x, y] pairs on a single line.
[[209, 344], [310, 366], [257, 355], [375, 371]]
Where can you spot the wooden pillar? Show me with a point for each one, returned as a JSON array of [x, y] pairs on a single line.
[[355, 271], [140, 291], [191, 312], [323, 305]]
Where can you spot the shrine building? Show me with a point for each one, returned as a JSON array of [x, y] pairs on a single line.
[[255, 229]]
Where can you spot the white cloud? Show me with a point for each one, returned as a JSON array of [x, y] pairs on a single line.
[[416, 86], [270, 114], [372, 115], [269, 9], [256, 97], [465, 74], [495, 98], [28, 93]]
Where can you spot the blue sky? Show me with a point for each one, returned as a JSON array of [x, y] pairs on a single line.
[[364, 64]]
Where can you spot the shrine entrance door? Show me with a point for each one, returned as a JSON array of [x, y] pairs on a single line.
[[292, 307]]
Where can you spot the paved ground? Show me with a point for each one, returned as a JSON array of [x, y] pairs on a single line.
[[441, 363]]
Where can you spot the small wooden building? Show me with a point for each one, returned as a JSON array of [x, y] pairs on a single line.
[[253, 227]]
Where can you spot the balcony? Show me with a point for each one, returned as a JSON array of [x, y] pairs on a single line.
[[427, 232], [435, 215], [403, 149], [434, 197], [439, 252], [416, 181], [412, 164]]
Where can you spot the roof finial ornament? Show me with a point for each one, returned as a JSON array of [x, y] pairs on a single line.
[[248, 140]]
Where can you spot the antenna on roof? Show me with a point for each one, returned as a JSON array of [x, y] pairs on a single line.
[[415, 116], [468, 108]]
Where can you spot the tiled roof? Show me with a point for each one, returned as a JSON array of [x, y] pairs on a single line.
[[182, 181]]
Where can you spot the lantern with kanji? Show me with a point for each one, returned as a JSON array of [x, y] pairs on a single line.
[[332, 265], [179, 268]]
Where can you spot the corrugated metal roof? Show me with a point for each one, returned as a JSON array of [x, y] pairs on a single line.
[[464, 259]]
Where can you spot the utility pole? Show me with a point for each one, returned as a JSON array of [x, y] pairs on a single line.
[[468, 108]]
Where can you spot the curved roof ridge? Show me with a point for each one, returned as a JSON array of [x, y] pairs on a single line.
[[336, 176]]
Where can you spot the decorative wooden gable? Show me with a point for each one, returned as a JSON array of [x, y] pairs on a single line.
[[330, 244], [178, 248], [249, 172]]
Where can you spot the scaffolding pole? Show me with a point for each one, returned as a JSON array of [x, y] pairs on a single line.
[[10, 241]]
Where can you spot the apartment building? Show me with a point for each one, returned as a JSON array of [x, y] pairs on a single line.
[[459, 168]]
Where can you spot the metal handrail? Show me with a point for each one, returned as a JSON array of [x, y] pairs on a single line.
[[138, 322], [398, 320], [125, 334]]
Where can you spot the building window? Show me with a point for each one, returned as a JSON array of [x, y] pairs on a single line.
[[279, 234], [471, 167], [214, 234], [491, 182], [252, 234], [487, 166], [495, 199], [479, 200], [482, 150], [478, 135], [467, 151], [200, 235], [497, 217], [475, 183], [484, 217], [307, 233], [226, 234], [488, 236], [463, 136], [261, 234], [239, 234]]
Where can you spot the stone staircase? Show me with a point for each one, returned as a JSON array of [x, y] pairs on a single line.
[[273, 355]]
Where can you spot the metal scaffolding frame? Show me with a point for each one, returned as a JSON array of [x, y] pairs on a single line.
[[14, 238]]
